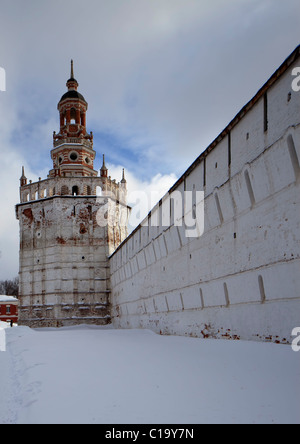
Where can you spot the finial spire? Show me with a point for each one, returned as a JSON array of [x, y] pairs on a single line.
[[123, 176], [72, 83], [103, 171], [23, 178]]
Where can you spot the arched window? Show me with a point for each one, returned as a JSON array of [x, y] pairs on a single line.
[[73, 115], [75, 191], [64, 190]]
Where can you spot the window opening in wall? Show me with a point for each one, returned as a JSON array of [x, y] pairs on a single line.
[[204, 171], [88, 190], [194, 208], [73, 156], [229, 148], [201, 299], [182, 303], [73, 115], [8, 309], [226, 294], [219, 208], [75, 191], [293, 155], [171, 212], [266, 123], [167, 304], [64, 190], [261, 289], [249, 187]]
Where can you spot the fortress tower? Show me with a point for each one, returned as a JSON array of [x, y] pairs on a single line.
[[70, 223]]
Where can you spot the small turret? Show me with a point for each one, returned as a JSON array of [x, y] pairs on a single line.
[[123, 181], [104, 170], [23, 178]]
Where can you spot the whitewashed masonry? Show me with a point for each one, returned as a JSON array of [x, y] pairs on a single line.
[[241, 278]]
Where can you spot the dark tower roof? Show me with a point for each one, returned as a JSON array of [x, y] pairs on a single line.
[[72, 94], [72, 85]]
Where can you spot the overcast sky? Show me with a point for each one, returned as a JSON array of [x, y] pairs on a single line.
[[162, 79]]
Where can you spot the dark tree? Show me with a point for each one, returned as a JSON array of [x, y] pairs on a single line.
[[10, 287]]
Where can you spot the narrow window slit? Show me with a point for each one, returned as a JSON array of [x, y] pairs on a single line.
[[249, 188], [219, 208], [261, 289], [293, 155]]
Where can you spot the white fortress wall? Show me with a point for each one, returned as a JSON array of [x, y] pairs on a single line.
[[240, 278]]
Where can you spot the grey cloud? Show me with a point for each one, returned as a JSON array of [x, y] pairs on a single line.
[[164, 76]]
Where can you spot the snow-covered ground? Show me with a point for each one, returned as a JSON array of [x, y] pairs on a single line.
[[101, 375]]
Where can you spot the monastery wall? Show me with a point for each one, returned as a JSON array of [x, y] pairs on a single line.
[[239, 278]]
